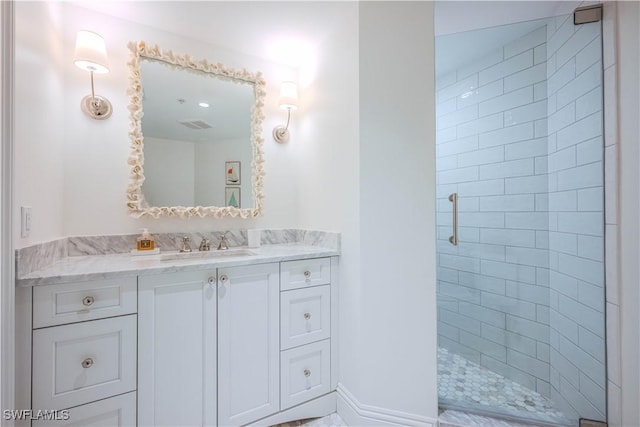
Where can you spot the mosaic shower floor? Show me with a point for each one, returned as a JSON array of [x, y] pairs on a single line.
[[465, 385]]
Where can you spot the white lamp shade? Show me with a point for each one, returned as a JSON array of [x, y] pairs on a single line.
[[91, 52], [288, 96]]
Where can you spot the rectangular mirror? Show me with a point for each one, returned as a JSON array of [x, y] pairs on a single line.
[[195, 137]]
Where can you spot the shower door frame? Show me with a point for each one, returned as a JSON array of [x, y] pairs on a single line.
[[613, 340]]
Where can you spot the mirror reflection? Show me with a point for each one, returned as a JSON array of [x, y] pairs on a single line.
[[195, 126], [195, 136]]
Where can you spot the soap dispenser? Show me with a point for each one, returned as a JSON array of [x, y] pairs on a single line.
[[145, 241]]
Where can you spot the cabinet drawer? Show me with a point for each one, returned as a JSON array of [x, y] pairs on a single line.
[[79, 363], [79, 301], [117, 411], [305, 373], [304, 273], [305, 316]]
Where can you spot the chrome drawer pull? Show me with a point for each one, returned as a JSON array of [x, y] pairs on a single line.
[[211, 280], [307, 316], [87, 363], [87, 301], [307, 373], [224, 278], [307, 274]]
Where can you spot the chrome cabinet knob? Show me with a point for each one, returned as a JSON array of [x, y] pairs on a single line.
[[224, 279], [87, 363], [307, 373], [307, 316], [307, 274], [212, 280], [87, 301]]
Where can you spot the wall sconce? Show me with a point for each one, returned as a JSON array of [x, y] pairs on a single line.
[[288, 101], [91, 55]]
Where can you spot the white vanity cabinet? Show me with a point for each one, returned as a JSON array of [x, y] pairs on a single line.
[[194, 324], [239, 345], [84, 341]]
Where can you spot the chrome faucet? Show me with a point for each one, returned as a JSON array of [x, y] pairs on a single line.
[[185, 245], [223, 246], [205, 245]]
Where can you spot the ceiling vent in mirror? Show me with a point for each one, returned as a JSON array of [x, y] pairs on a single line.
[[195, 124]]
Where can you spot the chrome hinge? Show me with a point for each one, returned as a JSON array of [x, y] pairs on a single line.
[[587, 14], [591, 423]]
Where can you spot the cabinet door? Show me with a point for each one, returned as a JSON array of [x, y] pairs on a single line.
[[248, 343], [177, 349]]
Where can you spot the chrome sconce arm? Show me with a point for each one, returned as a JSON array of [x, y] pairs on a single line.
[[288, 101]]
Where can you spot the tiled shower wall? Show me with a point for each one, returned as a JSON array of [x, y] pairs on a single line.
[[493, 288], [523, 293], [576, 223]]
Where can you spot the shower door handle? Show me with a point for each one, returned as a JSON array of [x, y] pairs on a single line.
[[453, 239]]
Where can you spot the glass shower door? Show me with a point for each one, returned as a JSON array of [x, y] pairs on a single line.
[[520, 221]]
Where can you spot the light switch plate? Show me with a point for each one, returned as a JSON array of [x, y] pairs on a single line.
[[25, 221]]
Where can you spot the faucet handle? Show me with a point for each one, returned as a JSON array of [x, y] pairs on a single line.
[[204, 245], [223, 242], [185, 244]]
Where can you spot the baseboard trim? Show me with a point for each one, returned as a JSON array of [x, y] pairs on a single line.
[[355, 413], [318, 407]]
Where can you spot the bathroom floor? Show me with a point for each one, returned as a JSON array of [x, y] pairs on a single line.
[[463, 384]]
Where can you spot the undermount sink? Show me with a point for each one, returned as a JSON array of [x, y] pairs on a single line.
[[206, 254]]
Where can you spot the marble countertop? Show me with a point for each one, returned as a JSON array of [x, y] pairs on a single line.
[[92, 267]]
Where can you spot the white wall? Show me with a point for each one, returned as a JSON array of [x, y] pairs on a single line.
[[325, 142], [628, 64], [397, 348], [39, 119], [169, 172]]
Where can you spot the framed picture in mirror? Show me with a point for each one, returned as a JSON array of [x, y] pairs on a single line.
[[232, 196], [233, 173]]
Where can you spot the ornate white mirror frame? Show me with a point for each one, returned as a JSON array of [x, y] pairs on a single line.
[[137, 206]]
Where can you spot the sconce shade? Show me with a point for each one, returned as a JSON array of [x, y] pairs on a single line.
[[288, 96], [91, 52]]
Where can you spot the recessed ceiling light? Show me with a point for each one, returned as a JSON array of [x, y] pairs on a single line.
[[204, 105]]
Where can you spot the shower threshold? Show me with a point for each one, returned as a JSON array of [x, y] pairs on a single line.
[[466, 386]]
